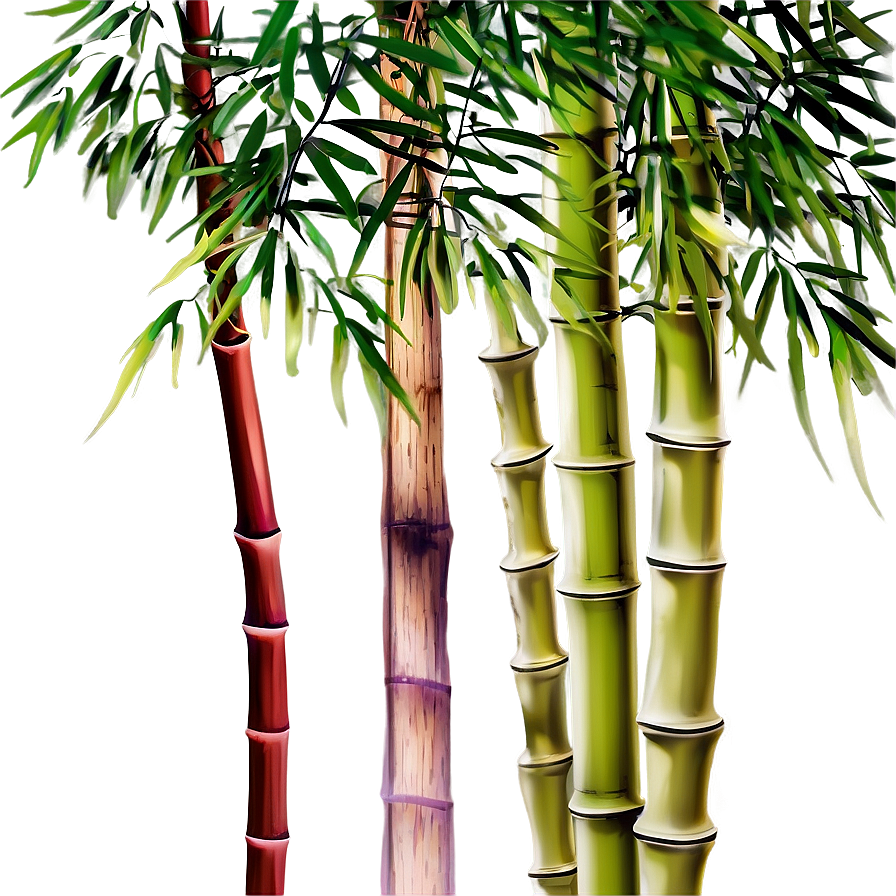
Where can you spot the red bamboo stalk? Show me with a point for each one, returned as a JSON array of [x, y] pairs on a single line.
[[257, 533], [418, 837]]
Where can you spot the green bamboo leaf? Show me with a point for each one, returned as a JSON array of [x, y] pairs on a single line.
[[852, 23], [62, 10], [283, 12], [228, 110], [763, 307], [57, 60], [749, 274], [34, 126], [347, 98], [295, 311], [338, 366], [336, 185], [374, 311], [177, 347], [267, 289], [253, 139], [412, 247], [375, 392], [383, 210], [317, 239], [288, 67], [196, 254], [364, 339], [865, 333], [797, 376], [439, 269], [520, 138], [458, 39], [94, 12], [828, 270], [110, 26], [43, 132], [841, 369], [140, 352], [344, 156], [117, 176], [398, 99], [745, 327], [758, 46], [412, 52]]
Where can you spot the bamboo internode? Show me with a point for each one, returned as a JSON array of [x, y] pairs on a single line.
[[257, 532], [678, 717], [418, 838], [594, 465], [540, 663]]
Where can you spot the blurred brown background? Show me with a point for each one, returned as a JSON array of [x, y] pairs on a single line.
[[122, 655]]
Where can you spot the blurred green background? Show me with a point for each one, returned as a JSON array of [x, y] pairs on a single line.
[[123, 659]]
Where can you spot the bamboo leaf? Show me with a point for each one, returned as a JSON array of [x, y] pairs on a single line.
[[62, 10], [745, 327], [856, 26], [338, 367], [412, 247], [336, 185], [295, 312], [398, 99], [94, 12], [288, 67], [383, 211], [758, 46], [58, 60], [283, 12], [520, 138], [253, 139], [177, 347], [228, 110], [797, 376], [375, 392], [828, 270], [196, 254], [318, 240], [345, 156], [841, 369], [459, 39], [412, 52], [367, 347], [139, 352]]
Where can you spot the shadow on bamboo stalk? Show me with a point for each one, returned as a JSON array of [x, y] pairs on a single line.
[[540, 663]]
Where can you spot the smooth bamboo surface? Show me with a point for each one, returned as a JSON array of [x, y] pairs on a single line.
[[418, 838], [678, 718], [540, 663], [594, 464], [257, 534]]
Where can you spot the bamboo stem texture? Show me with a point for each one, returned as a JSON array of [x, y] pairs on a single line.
[[595, 467], [540, 663], [258, 538], [418, 838], [679, 721]]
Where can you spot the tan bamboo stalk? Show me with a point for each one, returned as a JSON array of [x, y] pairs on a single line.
[[418, 838], [257, 534], [681, 726], [595, 467], [540, 663]]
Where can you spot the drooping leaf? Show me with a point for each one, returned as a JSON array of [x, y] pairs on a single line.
[[338, 366], [841, 370], [295, 312], [336, 185], [383, 210], [288, 66]]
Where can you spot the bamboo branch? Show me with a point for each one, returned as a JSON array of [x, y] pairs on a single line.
[[257, 535], [540, 663]]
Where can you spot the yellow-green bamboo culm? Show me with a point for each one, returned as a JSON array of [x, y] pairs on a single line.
[[540, 663], [679, 721], [595, 468]]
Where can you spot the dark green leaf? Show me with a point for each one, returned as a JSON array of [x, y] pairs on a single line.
[[254, 138], [827, 270], [283, 12], [94, 12], [57, 60], [288, 66], [385, 208], [328, 174]]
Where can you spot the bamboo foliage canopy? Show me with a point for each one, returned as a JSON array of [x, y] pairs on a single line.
[[793, 87]]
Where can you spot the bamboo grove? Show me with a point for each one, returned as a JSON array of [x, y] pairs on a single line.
[[713, 153]]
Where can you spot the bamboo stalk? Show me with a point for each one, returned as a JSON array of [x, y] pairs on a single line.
[[540, 663], [681, 726], [257, 535], [595, 467], [418, 838]]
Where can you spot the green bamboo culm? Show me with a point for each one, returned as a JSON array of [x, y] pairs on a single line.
[[540, 663], [595, 467], [678, 718]]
